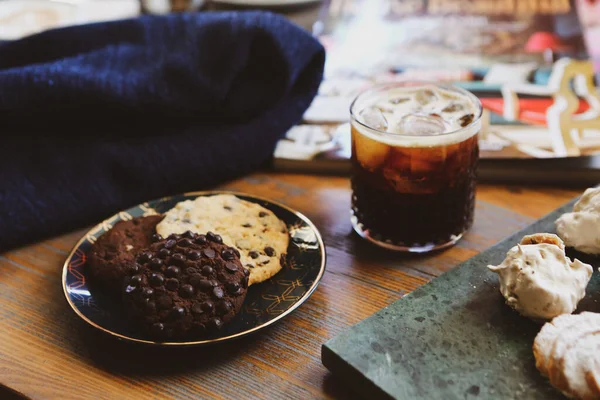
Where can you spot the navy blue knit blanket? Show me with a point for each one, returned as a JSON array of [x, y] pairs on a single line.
[[100, 117]]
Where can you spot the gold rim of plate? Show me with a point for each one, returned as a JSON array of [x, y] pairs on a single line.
[[304, 297]]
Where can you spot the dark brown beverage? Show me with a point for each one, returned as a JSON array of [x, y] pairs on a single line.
[[415, 192]]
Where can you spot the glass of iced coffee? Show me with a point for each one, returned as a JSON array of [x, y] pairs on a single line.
[[414, 160]]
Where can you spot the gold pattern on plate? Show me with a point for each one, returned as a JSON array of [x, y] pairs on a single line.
[[90, 238], [293, 265], [283, 302], [125, 216], [106, 225], [147, 210]]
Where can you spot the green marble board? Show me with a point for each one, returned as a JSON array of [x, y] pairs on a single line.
[[453, 338]]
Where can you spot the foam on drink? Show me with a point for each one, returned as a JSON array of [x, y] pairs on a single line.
[[417, 116]]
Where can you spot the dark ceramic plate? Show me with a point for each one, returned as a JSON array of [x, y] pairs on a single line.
[[265, 304]]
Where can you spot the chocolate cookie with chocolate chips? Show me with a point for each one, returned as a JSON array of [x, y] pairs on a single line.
[[110, 255], [186, 286], [255, 231]]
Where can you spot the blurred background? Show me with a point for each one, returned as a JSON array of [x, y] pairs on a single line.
[[505, 52], [20, 18]]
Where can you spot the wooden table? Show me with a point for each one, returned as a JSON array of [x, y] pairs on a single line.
[[47, 352]]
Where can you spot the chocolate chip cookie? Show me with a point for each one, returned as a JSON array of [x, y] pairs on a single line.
[[185, 286], [109, 257], [255, 231]]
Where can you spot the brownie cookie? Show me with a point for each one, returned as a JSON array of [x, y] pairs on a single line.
[[185, 285], [255, 231], [108, 258]]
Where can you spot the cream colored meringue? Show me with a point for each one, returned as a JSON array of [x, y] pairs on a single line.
[[581, 228], [540, 281], [589, 201]]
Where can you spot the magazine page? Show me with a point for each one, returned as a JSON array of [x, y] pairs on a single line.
[[527, 61]]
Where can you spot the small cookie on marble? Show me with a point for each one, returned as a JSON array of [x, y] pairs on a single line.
[[539, 281], [580, 229], [185, 286], [109, 256], [566, 351], [255, 231]]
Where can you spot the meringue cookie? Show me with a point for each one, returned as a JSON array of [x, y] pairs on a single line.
[[589, 201], [540, 281], [581, 228]]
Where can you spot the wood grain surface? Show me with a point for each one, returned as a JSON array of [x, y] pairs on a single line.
[[47, 352]]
